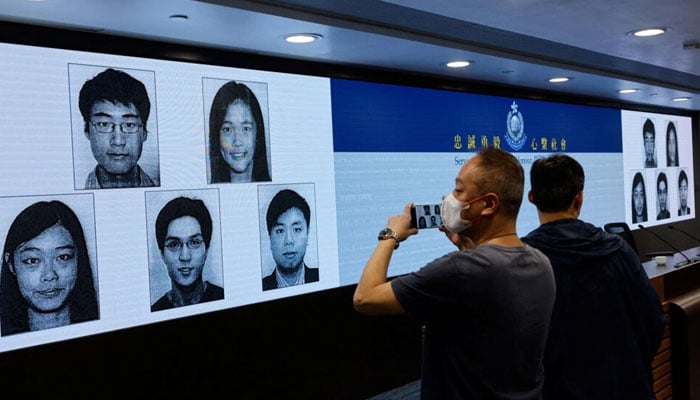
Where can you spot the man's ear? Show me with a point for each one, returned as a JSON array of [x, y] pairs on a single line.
[[578, 201], [491, 204], [530, 197]]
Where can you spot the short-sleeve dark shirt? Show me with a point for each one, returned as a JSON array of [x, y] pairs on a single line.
[[486, 313]]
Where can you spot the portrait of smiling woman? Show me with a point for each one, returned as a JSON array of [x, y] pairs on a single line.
[[237, 136], [46, 279]]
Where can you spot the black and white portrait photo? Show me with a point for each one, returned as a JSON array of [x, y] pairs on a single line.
[[238, 140], [662, 199], [49, 270], [184, 234], [649, 140], [683, 194], [115, 130], [638, 199], [288, 243]]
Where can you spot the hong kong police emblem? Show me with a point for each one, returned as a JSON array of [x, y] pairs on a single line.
[[515, 126]]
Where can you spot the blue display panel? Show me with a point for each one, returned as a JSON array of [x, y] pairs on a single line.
[[375, 117]]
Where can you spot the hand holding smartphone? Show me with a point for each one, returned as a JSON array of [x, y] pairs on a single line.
[[425, 216]]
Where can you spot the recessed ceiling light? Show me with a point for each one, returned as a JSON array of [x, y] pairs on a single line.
[[178, 17], [458, 64], [691, 45], [647, 32], [625, 91], [681, 98], [300, 38], [559, 79]]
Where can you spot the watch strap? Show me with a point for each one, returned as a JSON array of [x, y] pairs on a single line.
[[387, 233]]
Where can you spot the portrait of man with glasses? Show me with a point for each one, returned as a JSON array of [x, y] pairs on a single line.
[[184, 229], [115, 108]]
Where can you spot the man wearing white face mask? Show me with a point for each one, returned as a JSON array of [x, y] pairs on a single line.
[[486, 307]]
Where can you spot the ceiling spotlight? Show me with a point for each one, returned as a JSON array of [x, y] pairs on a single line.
[[300, 38], [691, 45], [559, 79], [680, 99], [625, 91], [458, 64], [647, 32]]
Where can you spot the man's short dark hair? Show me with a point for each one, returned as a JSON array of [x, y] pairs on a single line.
[[501, 173], [649, 127], [555, 181], [117, 87], [183, 207], [283, 201], [682, 177]]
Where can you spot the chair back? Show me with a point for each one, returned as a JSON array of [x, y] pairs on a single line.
[[622, 229]]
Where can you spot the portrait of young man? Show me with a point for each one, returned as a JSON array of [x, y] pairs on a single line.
[[649, 136], [662, 197], [115, 139], [683, 206], [184, 248], [287, 224]]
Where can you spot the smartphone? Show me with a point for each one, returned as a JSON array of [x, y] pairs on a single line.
[[424, 216]]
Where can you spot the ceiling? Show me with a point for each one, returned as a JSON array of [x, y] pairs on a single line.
[[510, 42]]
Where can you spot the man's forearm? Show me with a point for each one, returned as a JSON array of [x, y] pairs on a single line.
[[373, 293]]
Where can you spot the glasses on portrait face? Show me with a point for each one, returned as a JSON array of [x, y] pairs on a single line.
[[175, 245], [107, 127]]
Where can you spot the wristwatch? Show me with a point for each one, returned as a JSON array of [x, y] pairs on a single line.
[[387, 233]]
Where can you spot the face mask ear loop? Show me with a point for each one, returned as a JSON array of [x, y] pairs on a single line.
[[474, 200]]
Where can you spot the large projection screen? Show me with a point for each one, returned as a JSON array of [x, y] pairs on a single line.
[[355, 152]]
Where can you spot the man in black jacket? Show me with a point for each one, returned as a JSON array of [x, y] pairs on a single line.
[[607, 322]]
